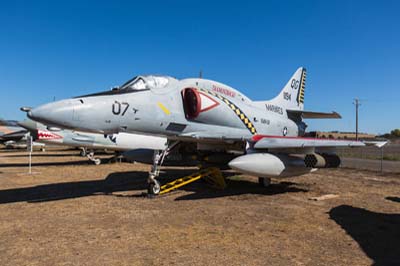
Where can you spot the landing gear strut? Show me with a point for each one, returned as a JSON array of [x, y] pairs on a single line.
[[264, 181], [154, 187], [91, 157], [83, 152]]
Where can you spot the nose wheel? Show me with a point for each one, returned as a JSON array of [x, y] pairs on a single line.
[[154, 188]]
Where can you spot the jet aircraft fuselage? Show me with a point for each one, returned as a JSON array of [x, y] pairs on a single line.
[[170, 108]]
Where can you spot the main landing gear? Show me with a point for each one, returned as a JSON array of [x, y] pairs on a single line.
[[93, 159], [83, 152], [154, 187], [90, 155], [264, 181]]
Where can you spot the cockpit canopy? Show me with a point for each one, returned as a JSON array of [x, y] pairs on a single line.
[[139, 83]]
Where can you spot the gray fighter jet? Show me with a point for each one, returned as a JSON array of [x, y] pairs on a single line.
[[260, 138]]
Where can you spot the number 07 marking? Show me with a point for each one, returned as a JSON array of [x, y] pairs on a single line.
[[117, 107]]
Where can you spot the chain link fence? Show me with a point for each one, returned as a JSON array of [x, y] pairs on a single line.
[[385, 159]]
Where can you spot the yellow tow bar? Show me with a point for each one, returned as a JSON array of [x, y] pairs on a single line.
[[211, 175]]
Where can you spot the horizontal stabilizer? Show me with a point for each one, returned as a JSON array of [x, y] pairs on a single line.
[[314, 115]]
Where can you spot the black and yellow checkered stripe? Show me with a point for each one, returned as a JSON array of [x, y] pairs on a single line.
[[245, 120], [300, 96]]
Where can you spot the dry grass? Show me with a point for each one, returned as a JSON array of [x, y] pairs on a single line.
[[72, 213]]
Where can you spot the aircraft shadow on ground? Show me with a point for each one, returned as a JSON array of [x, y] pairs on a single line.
[[237, 187], [23, 150], [13, 151], [124, 181], [378, 234], [44, 155], [82, 162], [135, 181], [202, 191], [395, 199]]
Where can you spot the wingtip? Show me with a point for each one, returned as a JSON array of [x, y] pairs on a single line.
[[337, 114]]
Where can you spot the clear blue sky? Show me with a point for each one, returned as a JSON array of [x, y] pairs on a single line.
[[350, 48]]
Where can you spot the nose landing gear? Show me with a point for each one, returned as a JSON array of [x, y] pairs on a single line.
[[154, 187]]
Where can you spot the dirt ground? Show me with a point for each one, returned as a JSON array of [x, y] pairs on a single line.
[[69, 212]]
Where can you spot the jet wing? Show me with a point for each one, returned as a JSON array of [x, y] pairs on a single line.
[[276, 142], [16, 136], [378, 144], [314, 115]]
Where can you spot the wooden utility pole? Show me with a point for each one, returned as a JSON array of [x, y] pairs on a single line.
[[357, 104]]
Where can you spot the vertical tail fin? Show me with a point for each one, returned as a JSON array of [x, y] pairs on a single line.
[[292, 95]]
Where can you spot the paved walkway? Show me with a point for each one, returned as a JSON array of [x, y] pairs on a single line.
[[373, 165]]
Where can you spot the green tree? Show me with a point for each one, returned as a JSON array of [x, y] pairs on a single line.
[[395, 133]]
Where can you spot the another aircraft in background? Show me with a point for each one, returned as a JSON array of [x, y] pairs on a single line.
[[92, 141], [12, 136]]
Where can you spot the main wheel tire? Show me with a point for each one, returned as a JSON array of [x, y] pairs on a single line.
[[83, 153], [154, 188], [264, 181]]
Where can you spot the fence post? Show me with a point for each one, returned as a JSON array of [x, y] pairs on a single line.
[[29, 147], [382, 159]]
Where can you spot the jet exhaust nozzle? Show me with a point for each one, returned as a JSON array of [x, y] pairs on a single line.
[[323, 160]]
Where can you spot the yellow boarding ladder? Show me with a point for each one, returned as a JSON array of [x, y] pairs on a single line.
[[212, 175]]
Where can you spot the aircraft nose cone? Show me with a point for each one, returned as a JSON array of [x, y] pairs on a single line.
[[56, 113], [30, 114], [28, 124], [36, 114]]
